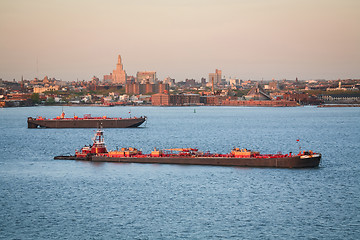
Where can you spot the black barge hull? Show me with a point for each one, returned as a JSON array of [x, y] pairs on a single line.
[[85, 123], [284, 162]]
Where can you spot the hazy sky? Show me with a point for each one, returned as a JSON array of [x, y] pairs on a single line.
[[246, 39]]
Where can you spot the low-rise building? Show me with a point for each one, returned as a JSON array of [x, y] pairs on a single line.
[[175, 100], [41, 89], [160, 99]]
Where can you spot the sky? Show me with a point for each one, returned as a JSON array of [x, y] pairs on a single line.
[[246, 39]]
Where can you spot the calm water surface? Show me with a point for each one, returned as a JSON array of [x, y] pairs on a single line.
[[41, 198]]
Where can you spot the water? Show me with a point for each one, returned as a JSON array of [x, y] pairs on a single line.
[[41, 198]]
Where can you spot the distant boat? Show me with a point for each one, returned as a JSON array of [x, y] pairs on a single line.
[[85, 122]]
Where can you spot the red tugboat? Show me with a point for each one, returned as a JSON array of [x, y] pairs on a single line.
[[98, 147], [192, 156], [85, 122]]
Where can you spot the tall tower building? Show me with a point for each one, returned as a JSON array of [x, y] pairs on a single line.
[[216, 76], [119, 74]]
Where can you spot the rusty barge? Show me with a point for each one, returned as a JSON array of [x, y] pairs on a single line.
[[85, 122], [97, 152]]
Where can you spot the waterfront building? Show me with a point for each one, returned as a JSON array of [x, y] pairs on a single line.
[[119, 74], [160, 99], [212, 100], [302, 98], [259, 103], [257, 93], [353, 97], [185, 99]]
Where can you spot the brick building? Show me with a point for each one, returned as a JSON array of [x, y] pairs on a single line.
[[160, 99], [175, 100], [138, 88]]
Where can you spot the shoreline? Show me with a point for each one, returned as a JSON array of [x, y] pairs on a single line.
[[149, 105], [339, 105]]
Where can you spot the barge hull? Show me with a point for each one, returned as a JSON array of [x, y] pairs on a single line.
[[86, 123], [71, 158], [285, 162]]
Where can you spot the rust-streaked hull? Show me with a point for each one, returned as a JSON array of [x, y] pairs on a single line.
[[283, 162], [85, 123]]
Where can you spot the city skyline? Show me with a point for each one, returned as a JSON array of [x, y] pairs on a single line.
[[188, 39]]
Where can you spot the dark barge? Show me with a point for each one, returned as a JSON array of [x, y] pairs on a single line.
[[85, 122]]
